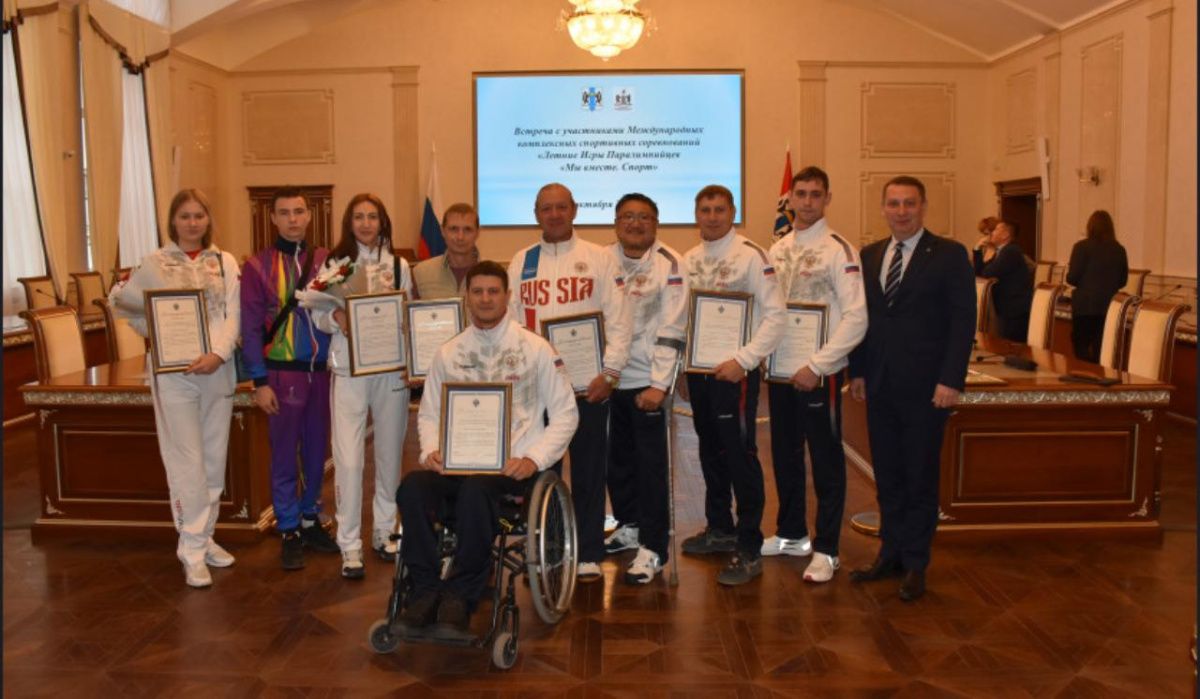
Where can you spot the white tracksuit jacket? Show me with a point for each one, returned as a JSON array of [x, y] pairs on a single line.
[[384, 396], [191, 411], [506, 353], [817, 265], [656, 291]]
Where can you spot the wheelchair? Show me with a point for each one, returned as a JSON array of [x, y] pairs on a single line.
[[537, 539]]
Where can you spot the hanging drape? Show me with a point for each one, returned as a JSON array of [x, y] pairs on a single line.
[[24, 252], [36, 26], [116, 43]]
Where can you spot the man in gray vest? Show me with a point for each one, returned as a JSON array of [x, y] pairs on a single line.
[[442, 276]]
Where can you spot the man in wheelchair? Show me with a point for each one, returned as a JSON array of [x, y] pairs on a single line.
[[493, 349]]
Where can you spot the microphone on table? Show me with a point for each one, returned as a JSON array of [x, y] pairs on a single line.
[[1167, 293], [57, 302], [983, 355]]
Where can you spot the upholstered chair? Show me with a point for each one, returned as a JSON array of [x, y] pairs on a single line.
[[57, 341], [1041, 315]]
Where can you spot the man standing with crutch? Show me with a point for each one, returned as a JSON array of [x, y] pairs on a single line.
[[639, 443]]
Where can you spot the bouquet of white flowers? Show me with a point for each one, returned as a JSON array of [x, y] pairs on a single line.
[[331, 286]]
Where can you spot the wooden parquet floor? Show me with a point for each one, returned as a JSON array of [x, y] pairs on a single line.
[[1033, 619]]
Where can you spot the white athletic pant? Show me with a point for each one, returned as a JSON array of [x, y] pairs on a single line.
[[350, 398], [192, 414]]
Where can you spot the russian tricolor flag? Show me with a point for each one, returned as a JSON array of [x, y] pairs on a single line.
[[431, 243]]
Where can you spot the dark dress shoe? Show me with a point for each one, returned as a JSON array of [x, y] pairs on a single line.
[[878, 570], [912, 587]]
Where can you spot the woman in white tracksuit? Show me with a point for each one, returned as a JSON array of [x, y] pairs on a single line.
[[192, 409], [366, 239]]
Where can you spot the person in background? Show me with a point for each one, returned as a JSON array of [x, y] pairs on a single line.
[[443, 276], [997, 256], [366, 239], [285, 356], [192, 409], [657, 294], [1098, 269]]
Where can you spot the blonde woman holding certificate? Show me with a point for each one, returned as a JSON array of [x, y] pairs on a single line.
[[192, 408], [366, 240]]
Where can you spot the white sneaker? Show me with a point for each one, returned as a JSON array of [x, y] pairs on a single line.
[[197, 575], [216, 556], [821, 568], [777, 545], [383, 545], [623, 539], [646, 564], [352, 565], [588, 572]]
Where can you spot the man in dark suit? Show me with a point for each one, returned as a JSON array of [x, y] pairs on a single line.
[[997, 257], [911, 368]]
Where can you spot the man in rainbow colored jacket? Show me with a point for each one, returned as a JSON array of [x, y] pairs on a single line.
[[285, 356]]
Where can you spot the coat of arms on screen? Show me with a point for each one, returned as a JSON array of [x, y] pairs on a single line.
[[623, 101], [593, 99]]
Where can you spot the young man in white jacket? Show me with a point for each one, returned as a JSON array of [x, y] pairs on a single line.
[[727, 262], [656, 292], [562, 275], [367, 239], [814, 265], [494, 348]]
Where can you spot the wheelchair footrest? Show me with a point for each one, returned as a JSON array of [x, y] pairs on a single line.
[[438, 635]]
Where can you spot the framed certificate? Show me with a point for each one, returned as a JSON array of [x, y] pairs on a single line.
[[579, 341], [430, 323], [476, 427], [376, 332], [807, 329], [178, 323], [718, 325]]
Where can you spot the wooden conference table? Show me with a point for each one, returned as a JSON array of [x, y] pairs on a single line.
[[100, 467], [1028, 453]]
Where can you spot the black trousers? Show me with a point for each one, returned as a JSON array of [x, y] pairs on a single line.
[[813, 417], [637, 469], [589, 458], [905, 433], [424, 498], [1087, 333], [1015, 328], [728, 458]]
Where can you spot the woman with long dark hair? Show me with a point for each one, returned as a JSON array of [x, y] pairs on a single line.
[[192, 409], [1098, 269], [367, 240]]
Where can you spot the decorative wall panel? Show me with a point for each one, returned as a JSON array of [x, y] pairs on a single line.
[[1100, 124], [939, 191], [287, 126], [908, 120], [1020, 110], [200, 142]]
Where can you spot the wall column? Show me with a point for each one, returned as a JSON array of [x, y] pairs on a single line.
[[811, 146], [406, 217], [1158, 104]]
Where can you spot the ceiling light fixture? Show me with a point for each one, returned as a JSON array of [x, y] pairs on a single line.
[[606, 27]]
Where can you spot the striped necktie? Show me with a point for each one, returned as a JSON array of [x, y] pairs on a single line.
[[893, 275]]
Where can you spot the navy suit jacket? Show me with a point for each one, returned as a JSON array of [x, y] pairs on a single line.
[[925, 338], [1013, 292]]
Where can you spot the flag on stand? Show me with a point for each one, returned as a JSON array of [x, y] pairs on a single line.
[[431, 243], [784, 215]]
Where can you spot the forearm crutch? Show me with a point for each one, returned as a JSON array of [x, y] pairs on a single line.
[[669, 420]]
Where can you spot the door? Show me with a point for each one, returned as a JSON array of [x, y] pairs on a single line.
[[320, 201]]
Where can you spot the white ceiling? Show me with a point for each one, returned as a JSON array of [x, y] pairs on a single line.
[[229, 32]]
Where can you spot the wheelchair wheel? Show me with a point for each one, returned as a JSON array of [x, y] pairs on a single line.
[[382, 640], [504, 650], [551, 547]]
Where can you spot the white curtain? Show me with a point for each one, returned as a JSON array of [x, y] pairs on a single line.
[[23, 252], [157, 11], [137, 224]]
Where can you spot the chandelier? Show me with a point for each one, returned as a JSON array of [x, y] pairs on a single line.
[[605, 27]]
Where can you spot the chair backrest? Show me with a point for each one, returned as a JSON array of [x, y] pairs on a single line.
[[1043, 272], [123, 341], [983, 303], [57, 341], [1136, 282], [1041, 315], [1112, 344], [1152, 342], [89, 286], [39, 292]]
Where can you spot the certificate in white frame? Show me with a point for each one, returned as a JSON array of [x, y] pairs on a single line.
[[177, 320], [375, 330], [718, 326], [807, 329], [475, 430], [430, 322], [579, 342]]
